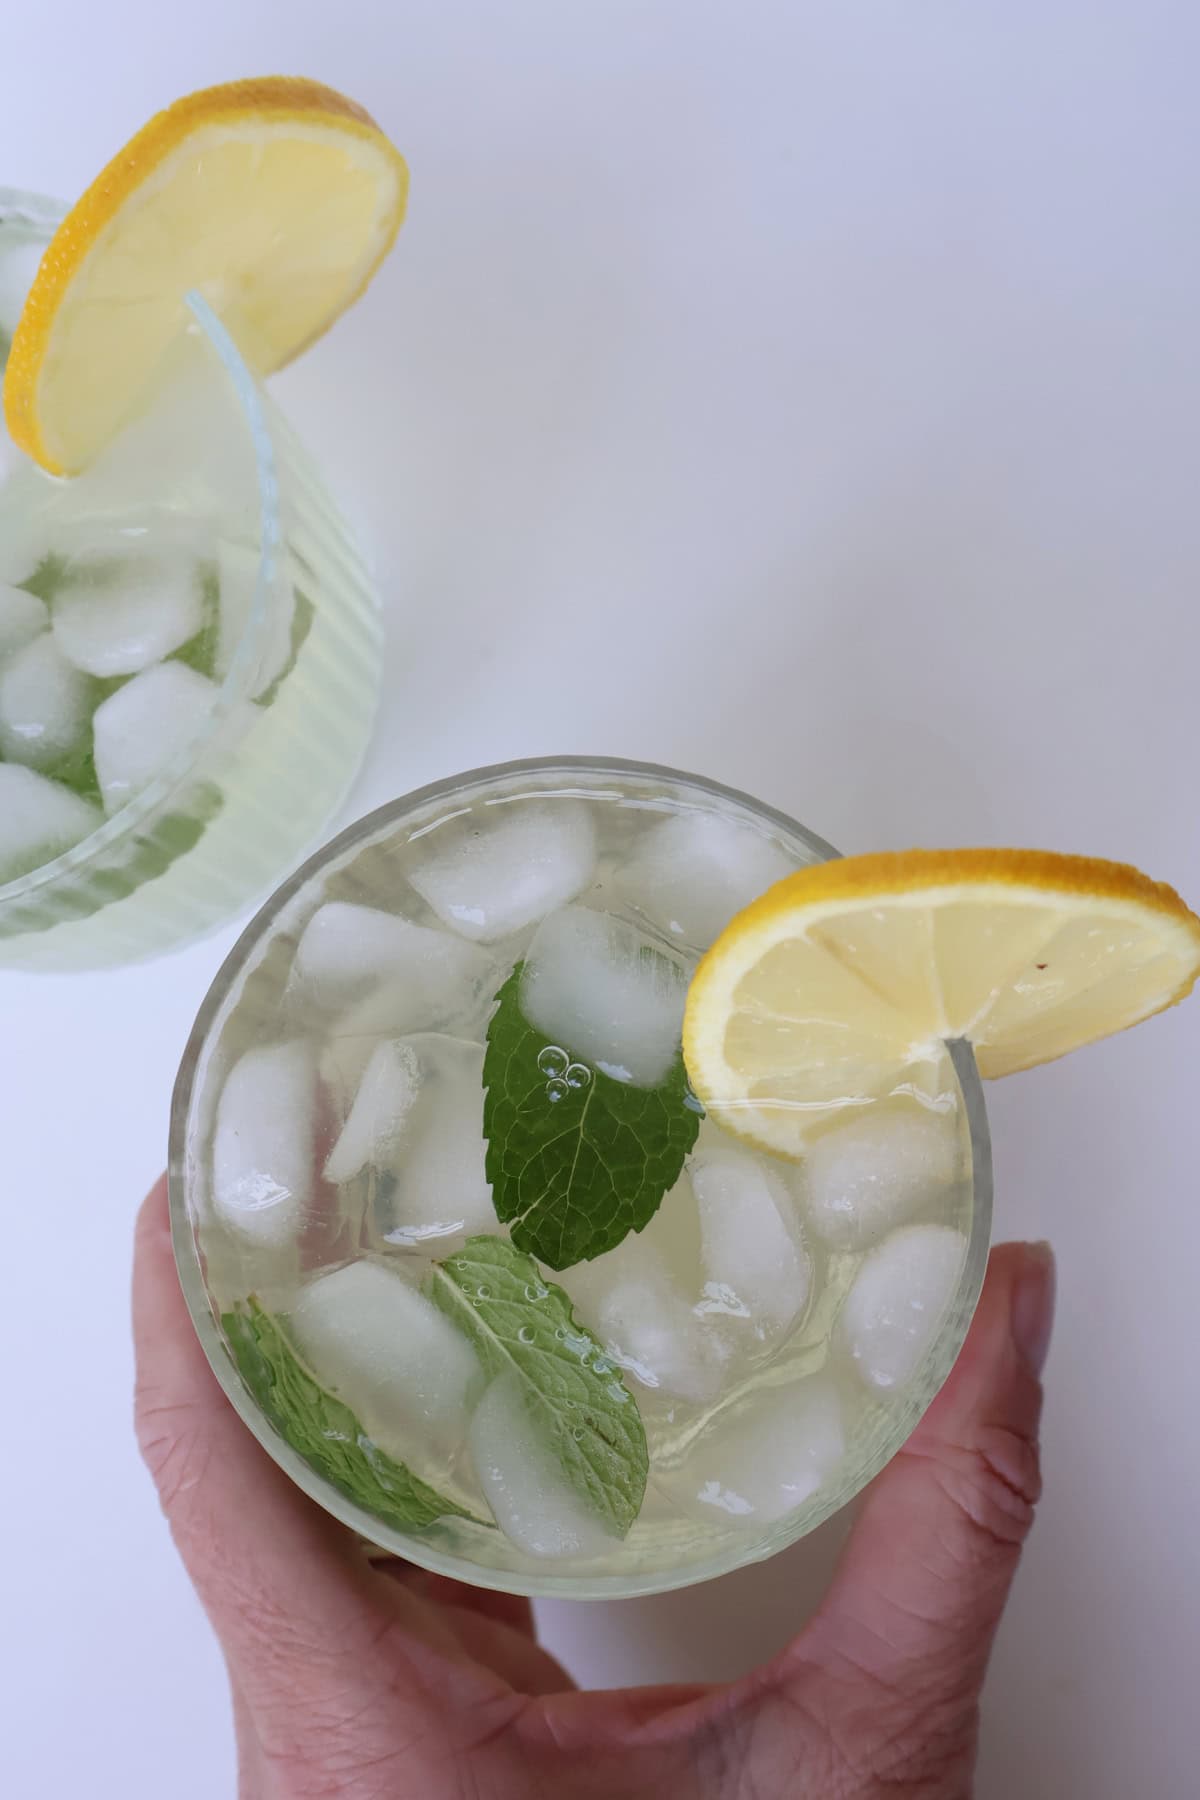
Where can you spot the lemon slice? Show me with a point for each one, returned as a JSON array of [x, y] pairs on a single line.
[[276, 199], [842, 983]]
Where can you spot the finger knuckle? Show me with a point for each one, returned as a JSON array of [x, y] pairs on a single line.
[[996, 1484], [172, 1444]]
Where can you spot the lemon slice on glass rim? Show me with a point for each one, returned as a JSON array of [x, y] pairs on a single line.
[[845, 981], [274, 199]]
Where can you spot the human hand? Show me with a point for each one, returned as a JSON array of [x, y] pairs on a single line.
[[381, 1682]]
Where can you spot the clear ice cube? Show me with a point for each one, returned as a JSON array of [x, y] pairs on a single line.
[[44, 705], [755, 1263], [763, 1461], [39, 819], [140, 728], [598, 988], [501, 875], [440, 1189], [531, 1500], [693, 872], [346, 951], [22, 618], [237, 585], [263, 1149], [631, 1302], [27, 532], [391, 1355], [19, 263], [874, 1172], [897, 1300], [117, 618], [379, 1112]]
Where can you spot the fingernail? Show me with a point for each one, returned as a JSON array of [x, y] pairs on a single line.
[[1033, 1306]]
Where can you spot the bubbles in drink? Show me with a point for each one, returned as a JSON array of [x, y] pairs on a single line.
[[596, 985], [758, 1315]]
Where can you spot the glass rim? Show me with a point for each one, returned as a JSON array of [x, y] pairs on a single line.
[[42, 215], [549, 1586]]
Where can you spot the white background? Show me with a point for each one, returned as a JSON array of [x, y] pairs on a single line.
[[808, 395]]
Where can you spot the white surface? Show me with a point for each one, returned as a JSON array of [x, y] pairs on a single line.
[[804, 394]]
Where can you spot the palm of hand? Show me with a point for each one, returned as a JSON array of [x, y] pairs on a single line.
[[383, 1683]]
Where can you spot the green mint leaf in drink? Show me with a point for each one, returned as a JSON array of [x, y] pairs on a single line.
[[577, 1158], [524, 1330], [302, 622], [323, 1430], [47, 578]]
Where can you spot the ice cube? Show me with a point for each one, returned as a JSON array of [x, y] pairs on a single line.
[[43, 706], [19, 263], [346, 950], [866, 1176], [897, 1300], [262, 1174], [375, 1125], [693, 872], [237, 585], [437, 995], [117, 618], [629, 1299], [27, 533], [755, 1262], [10, 462], [24, 540], [763, 1461], [530, 1498], [441, 1189], [353, 1036], [389, 1353], [522, 861], [598, 988], [140, 728], [39, 819], [22, 617]]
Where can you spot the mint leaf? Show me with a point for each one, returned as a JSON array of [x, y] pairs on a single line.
[[582, 1410], [47, 578], [200, 651], [302, 623], [323, 1430], [575, 1175]]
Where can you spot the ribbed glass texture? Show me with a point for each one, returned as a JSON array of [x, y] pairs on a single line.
[[239, 805]]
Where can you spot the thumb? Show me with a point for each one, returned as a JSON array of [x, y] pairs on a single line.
[[259, 1553], [921, 1585], [331, 1664]]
